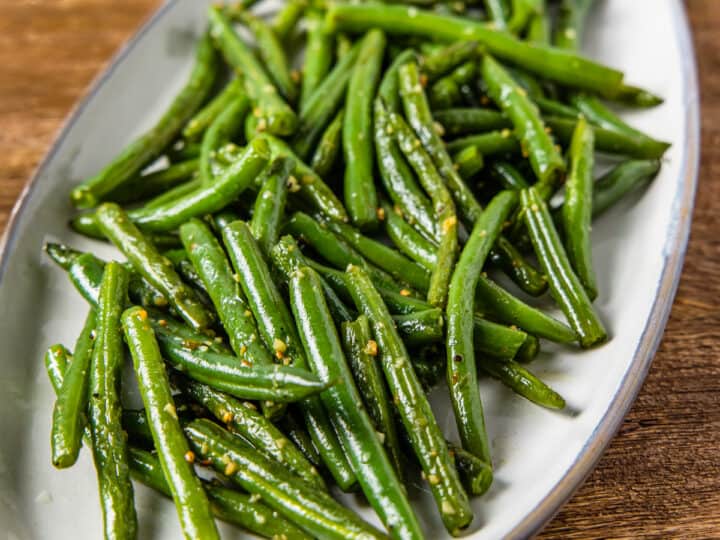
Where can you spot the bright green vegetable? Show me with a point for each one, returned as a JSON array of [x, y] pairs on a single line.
[[157, 182], [441, 62], [622, 179], [202, 120], [318, 55], [190, 500], [462, 121], [146, 148], [329, 147], [109, 443], [270, 204], [475, 474], [571, 23], [521, 381], [222, 130], [287, 17]]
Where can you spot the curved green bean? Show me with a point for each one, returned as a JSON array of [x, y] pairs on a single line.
[[524, 383], [270, 204], [620, 180], [329, 147], [463, 121]]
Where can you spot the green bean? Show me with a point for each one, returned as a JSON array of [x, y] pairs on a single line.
[[538, 30], [287, 17], [152, 184], [184, 336], [420, 119], [429, 365], [202, 120], [610, 141], [499, 304], [272, 54], [544, 157], [637, 97], [135, 423], [506, 256], [210, 261], [522, 13], [441, 62], [270, 205], [407, 240], [384, 257], [190, 500], [475, 474], [528, 351], [148, 262], [417, 417], [469, 162], [577, 208], [242, 419], [571, 23], [465, 77], [497, 13], [358, 150], [297, 433], [284, 384], [277, 117], [277, 330], [175, 193], [210, 198], [307, 185], [329, 147], [553, 64], [444, 94], [521, 381], [221, 131], [432, 181], [104, 409], [492, 143], [313, 510], [508, 175], [352, 424], [57, 359], [227, 504], [147, 147], [360, 351], [318, 55], [320, 107], [69, 417], [462, 121], [389, 90], [599, 115], [333, 249], [287, 258], [622, 179], [183, 150], [551, 107], [397, 177], [461, 372], [420, 327], [565, 286]]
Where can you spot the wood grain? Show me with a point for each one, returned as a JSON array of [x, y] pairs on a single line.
[[660, 477]]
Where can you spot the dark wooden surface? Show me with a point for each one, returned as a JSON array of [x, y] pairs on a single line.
[[660, 477]]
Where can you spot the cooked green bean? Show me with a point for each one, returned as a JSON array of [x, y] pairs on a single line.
[[275, 115], [461, 371], [190, 500], [550, 63], [463, 121], [432, 182], [521, 381], [522, 13], [147, 147], [492, 143], [637, 97], [389, 89], [242, 419], [439, 63], [109, 445], [508, 175], [148, 262], [475, 474], [272, 54], [329, 147], [313, 510], [69, 417], [270, 205], [297, 433], [361, 351], [407, 240], [277, 329], [565, 286], [287, 17], [538, 30], [397, 177], [622, 179], [202, 120], [496, 10], [420, 327], [318, 55], [210, 261], [577, 208], [210, 198], [444, 94], [528, 351], [362, 446], [222, 130], [358, 149], [175, 193], [57, 359], [506, 256], [412, 404], [317, 112], [571, 23], [227, 504], [544, 157], [152, 184], [469, 162]]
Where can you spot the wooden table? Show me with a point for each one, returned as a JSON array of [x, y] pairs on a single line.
[[660, 477]]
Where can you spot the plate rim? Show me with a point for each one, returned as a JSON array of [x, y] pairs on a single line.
[[675, 248]]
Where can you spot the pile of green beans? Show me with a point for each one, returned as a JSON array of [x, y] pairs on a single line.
[[308, 251]]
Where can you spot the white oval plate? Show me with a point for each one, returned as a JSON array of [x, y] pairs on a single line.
[[541, 457]]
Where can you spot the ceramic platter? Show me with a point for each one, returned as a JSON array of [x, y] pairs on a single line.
[[541, 457]]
